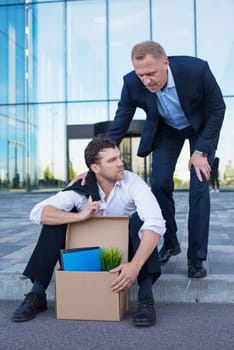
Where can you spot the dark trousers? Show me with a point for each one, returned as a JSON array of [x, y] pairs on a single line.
[[46, 254], [167, 148]]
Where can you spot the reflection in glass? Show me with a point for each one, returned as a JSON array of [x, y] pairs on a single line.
[[216, 44], [86, 48], [129, 24], [50, 51], [51, 145], [62, 62], [76, 157], [175, 33], [86, 113]]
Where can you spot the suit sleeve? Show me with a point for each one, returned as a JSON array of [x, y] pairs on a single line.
[[214, 107], [124, 114]]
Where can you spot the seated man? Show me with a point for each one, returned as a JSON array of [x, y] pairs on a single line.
[[109, 190]]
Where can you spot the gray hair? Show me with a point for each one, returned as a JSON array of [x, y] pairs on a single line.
[[140, 50]]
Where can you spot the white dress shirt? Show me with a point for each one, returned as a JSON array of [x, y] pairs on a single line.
[[128, 196]]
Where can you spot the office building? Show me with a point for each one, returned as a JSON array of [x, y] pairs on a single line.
[[61, 68]]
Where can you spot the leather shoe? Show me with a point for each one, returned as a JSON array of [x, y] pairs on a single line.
[[31, 306], [145, 313], [196, 269], [166, 254]]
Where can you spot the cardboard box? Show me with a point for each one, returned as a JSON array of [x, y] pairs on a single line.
[[87, 295]]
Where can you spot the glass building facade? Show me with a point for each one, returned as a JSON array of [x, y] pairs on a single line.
[[62, 63]]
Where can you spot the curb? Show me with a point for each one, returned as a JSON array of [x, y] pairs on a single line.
[[169, 289]]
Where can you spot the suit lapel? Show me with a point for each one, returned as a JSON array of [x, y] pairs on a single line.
[[152, 103], [181, 87]]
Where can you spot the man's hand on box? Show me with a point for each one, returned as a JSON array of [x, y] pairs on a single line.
[[127, 273]]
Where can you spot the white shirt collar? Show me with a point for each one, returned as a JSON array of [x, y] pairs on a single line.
[[101, 192]]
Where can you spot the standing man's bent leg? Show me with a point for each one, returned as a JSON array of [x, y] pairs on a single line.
[[40, 269], [198, 225], [168, 146]]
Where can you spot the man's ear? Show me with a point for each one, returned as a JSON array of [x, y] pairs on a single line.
[[93, 168]]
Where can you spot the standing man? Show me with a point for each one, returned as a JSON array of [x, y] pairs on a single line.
[[214, 175], [182, 100], [109, 191]]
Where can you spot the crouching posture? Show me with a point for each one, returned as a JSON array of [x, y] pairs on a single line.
[[109, 190]]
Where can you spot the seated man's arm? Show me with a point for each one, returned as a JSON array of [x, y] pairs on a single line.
[[150, 232], [57, 209], [128, 272], [52, 216], [148, 243]]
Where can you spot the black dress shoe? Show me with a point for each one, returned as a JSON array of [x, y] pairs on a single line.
[[166, 254], [145, 313], [196, 269], [31, 306]]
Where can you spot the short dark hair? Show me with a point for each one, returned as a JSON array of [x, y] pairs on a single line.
[[94, 147]]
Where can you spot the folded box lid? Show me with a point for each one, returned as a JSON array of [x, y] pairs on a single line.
[[101, 231]]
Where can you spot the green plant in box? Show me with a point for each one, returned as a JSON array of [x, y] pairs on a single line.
[[110, 258]]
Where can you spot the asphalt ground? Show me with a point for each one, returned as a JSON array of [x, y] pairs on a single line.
[[180, 326]]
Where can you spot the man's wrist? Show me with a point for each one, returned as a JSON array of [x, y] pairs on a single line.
[[203, 154]]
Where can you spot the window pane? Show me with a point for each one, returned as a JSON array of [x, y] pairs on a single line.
[[225, 148], [51, 141], [86, 50], [50, 51], [87, 113], [173, 26], [11, 2], [12, 57], [129, 24], [76, 158], [18, 159], [216, 44], [16, 2]]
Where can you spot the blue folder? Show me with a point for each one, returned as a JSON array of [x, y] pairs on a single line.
[[81, 259]]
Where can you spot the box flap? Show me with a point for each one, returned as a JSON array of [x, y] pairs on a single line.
[[102, 231]]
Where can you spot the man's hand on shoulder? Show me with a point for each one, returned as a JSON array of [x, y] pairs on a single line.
[[79, 177]]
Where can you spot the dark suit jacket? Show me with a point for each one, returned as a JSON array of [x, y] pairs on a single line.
[[199, 95], [89, 189]]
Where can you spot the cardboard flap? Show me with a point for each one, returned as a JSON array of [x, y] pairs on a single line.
[[102, 231]]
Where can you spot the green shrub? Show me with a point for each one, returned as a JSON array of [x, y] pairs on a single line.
[[110, 258]]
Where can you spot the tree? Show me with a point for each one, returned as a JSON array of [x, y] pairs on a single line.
[[48, 174], [72, 173], [229, 174]]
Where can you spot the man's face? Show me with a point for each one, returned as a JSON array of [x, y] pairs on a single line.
[[110, 165], [152, 72]]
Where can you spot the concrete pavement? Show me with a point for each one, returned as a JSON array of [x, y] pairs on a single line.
[[18, 237]]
